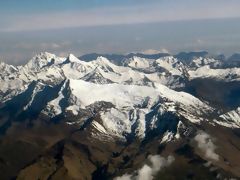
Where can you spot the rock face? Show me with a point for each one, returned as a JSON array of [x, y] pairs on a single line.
[[105, 118]]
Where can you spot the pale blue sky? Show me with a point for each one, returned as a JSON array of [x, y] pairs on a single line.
[[109, 26]]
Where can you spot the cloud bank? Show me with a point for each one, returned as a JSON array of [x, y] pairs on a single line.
[[154, 51], [157, 11], [148, 171]]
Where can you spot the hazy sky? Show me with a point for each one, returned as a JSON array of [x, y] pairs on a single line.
[[28, 27]]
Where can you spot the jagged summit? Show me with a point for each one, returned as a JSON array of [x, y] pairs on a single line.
[[72, 58], [7, 68], [138, 62], [42, 60]]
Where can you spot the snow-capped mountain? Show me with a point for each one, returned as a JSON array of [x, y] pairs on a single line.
[[229, 74], [143, 80], [199, 62], [230, 119], [138, 100]]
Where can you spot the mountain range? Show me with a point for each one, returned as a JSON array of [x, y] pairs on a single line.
[[121, 117]]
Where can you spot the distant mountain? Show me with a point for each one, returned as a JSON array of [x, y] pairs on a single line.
[[220, 57], [233, 61], [189, 56], [234, 57], [119, 59], [185, 57], [113, 116]]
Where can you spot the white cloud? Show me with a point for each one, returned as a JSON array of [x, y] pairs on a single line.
[[154, 51], [148, 171], [145, 173], [124, 177], [206, 145]]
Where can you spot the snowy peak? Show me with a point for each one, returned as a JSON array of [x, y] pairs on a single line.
[[227, 75], [6, 67], [7, 70], [171, 65], [102, 60], [122, 96], [73, 59], [103, 63], [42, 60], [230, 119], [199, 62], [137, 62], [124, 108], [129, 96], [96, 76]]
